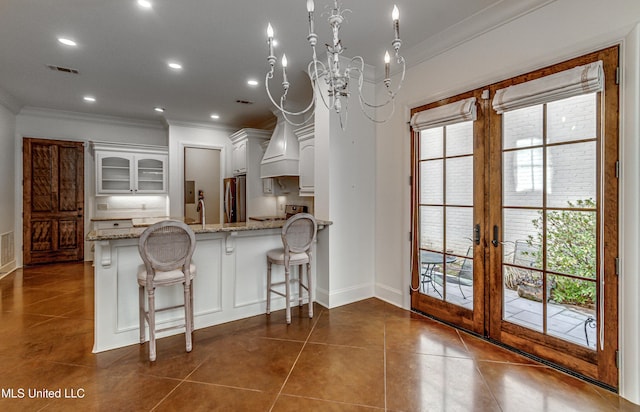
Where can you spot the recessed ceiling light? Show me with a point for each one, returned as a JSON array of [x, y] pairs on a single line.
[[144, 3], [252, 82], [174, 65], [275, 43], [90, 99], [159, 109], [67, 42], [215, 116]]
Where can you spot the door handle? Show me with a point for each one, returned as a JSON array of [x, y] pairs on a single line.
[[495, 242], [476, 234]]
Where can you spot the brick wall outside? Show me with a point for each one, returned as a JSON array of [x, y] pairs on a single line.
[[571, 171]]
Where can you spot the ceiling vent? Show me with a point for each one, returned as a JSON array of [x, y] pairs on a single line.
[[244, 101], [62, 69]]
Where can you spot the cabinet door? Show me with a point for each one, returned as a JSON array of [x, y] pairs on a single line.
[[150, 173], [114, 173], [306, 165], [239, 160]]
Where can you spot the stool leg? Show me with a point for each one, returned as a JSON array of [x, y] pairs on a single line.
[[152, 325], [310, 288], [141, 312], [300, 285], [268, 286], [188, 320], [287, 292]]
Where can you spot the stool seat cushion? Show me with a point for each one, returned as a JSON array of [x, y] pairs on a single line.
[[277, 256], [164, 277]]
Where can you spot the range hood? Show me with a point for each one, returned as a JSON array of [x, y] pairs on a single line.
[[281, 156]]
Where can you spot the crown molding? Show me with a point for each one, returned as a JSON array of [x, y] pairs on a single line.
[[197, 125], [484, 21], [78, 116]]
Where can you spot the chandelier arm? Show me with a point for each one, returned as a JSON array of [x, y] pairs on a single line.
[[281, 106], [285, 115], [391, 93], [364, 111]]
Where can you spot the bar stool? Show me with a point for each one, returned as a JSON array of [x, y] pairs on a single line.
[[166, 249], [298, 234]]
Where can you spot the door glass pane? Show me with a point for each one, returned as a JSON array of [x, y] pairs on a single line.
[[572, 119], [431, 143], [522, 304], [522, 127], [571, 242], [431, 228], [523, 177], [571, 175], [460, 139], [459, 269], [431, 182], [570, 313], [460, 181]]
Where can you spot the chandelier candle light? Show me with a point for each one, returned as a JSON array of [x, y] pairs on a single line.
[[337, 80]]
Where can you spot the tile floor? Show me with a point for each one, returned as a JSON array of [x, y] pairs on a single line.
[[367, 356]]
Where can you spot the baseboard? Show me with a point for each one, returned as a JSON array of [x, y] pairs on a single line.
[[389, 295], [8, 269]]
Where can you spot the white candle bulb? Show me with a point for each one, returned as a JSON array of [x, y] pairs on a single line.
[[269, 31], [284, 60], [395, 14], [310, 6]]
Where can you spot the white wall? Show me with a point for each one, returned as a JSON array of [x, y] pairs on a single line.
[[556, 32], [51, 124], [345, 194], [630, 227], [7, 200]]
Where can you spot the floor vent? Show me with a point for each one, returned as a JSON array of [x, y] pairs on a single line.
[[7, 249]]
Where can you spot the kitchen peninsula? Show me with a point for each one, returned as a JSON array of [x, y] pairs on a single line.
[[230, 283]]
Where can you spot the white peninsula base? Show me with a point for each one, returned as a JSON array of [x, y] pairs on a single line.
[[230, 283]]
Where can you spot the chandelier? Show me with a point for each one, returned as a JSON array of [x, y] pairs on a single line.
[[337, 79]]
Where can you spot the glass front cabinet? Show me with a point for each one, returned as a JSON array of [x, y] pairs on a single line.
[[130, 172]]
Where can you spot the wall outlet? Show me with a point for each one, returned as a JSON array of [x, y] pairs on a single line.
[[103, 206]]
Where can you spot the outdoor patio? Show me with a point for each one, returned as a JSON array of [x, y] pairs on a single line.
[[563, 321]]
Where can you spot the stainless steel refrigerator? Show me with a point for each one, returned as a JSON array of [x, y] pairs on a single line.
[[235, 204]]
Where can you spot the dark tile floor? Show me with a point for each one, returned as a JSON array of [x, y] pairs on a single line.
[[367, 356]]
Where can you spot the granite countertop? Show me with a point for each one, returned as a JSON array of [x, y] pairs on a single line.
[[136, 231]]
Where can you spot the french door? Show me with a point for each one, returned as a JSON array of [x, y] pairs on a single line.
[[515, 234]]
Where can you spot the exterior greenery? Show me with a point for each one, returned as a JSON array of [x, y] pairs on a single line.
[[571, 249]]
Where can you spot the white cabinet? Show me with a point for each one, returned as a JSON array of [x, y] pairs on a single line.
[[239, 158], [306, 163], [130, 170]]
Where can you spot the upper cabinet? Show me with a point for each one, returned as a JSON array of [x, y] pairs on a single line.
[[248, 150], [125, 169], [239, 158], [306, 140]]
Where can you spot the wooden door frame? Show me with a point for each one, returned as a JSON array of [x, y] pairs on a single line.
[[600, 364]]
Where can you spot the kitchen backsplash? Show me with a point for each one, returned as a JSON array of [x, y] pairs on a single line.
[[130, 206]]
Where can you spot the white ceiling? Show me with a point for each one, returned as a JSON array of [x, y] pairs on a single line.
[[123, 50]]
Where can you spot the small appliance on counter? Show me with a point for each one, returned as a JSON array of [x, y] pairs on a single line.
[[290, 210]]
